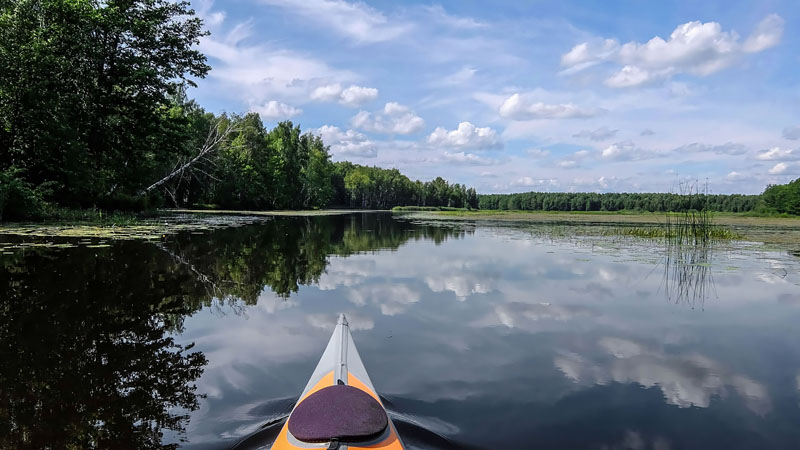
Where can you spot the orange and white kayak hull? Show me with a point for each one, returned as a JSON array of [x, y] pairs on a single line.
[[340, 361]]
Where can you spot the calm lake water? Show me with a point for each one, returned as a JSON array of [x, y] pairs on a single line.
[[477, 336]]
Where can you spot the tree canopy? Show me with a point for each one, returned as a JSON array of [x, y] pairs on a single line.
[[783, 198], [85, 91]]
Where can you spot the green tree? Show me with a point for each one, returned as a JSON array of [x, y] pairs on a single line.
[[85, 90], [317, 174], [783, 198]]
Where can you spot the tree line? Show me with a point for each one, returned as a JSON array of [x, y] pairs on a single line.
[[284, 168], [585, 201], [359, 186]]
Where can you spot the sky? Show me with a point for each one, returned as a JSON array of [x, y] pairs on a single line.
[[508, 96]]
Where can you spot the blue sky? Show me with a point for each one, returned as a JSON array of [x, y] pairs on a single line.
[[601, 96]]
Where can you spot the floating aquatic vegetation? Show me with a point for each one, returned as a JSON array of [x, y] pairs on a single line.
[[21, 236]]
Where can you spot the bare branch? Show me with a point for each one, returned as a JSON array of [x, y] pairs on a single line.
[[212, 143]]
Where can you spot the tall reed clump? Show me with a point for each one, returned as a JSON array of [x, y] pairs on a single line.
[[693, 224], [689, 235]]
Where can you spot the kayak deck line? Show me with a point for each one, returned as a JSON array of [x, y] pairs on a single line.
[[341, 368], [340, 365]]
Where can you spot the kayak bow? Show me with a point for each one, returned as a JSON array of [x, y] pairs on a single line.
[[339, 408]]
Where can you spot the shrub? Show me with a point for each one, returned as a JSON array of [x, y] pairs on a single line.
[[19, 200]]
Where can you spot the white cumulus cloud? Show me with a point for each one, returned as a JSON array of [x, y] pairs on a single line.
[[347, 143], [778, 154], [588, 54], [518, 107], [258, 73], [694, 47], [736, 176], [357, 95], [531, 182], [274, 110], [352, 96], [630, 76], [624, 151], [779, 168], [327, 93], [394, 119], [466, 135], [466, 158], [767, 34], [355, 20]]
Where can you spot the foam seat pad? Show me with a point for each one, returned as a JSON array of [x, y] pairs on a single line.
[[339, 412]]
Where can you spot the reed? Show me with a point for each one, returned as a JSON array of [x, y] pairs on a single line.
[[693, 224], [715, 233]]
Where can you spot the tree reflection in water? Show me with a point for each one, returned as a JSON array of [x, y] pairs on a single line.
[[86, 334], [87, 358]]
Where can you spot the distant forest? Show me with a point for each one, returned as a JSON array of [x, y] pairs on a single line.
[[653, 202]]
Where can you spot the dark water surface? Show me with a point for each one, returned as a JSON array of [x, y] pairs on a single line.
[[476, 336]]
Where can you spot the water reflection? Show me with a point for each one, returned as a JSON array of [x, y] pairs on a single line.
[[688, 278], [88, 353], [477, 337], [685, 379], [286, 253], [87, 357]]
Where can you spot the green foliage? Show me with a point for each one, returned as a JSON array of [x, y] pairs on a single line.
[[283, 168], [262, 169], [372, 187], [782, 198], [85, 91], [18, 199]]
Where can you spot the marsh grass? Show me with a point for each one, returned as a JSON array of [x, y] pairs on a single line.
[[96, 216], [676, 233], [692, 225]]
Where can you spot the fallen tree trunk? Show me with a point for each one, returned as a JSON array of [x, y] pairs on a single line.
[[212, 143]]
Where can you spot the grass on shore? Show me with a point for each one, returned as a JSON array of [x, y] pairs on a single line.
[[625, 216], [622, 212], [771, 229], [95, 216]]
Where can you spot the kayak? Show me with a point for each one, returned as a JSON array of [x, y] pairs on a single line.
[[339, 408]]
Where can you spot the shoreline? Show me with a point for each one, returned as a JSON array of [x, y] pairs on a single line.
[[600, 217], [282, 212], [766, 230]]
